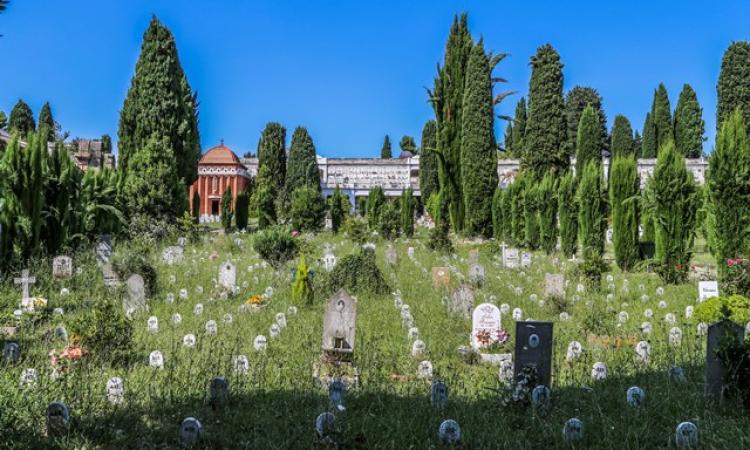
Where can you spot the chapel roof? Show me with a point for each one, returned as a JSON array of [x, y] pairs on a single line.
[[221, 154]]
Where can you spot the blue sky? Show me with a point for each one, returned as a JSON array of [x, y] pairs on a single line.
[[351, 71]]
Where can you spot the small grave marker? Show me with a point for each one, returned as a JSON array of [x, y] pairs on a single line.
[[228, 275], [441, 276], [534, 349], [58, 419], [715, 370], [339, 326], [707, 289], [115, 390], [190, 431], [439, 394], [449, 432], [62, 267]]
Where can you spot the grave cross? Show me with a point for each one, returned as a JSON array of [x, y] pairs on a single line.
[[25, 281], [503, 246]]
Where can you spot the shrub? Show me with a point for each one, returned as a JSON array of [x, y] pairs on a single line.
[[302, 290], [568, 215], [241, 208], [407, 212], [308, 209], [106, 332], [356, 229], [135, 258], [339, 208], [388, 225], [711, 310], [357, 273], [275, 245], [226, 210]]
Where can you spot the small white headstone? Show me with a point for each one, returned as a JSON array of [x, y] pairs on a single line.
[[707, 289], [599, 371], [156, 360], [228, 275], [211, 327], [115, 390], [424, 369], [241, 365], [686, 435], [260, 343], [153, 324], [635, 396], [575, 350], [188, 340]]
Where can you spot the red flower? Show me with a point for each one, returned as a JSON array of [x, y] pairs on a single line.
[[730, 262]]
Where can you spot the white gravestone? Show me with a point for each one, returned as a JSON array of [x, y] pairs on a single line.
[[525, 259], [135, 300], [25, 281], [511, 258], [228, 275], [62, 267], [707, 289], [485, 326], [115, 390], [172, 255]]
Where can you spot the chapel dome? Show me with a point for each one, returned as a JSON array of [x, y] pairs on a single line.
[[221, 154]]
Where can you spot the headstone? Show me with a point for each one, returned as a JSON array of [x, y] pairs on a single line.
[[715, 370], [274, 330], [11, 352], [211, 327], [441, 276], [439, 394], [153, 324], [329, 261], [182, 241], [418, 348], [103, 249], [339, 326], [534, 349], [190, 431], [58, 419], [707, 289], [61, 333], [228, 275], [554, 285], [575, 350], [25, 281], [172, 255], [599, 372], [62, 267], [241, 365], [325, 424], [485, 326], [281, 320], [135, 300], [410, 252], [643, 350], [635, 396], [511, 258], [540, 396], [260, 343], [156, 360], [525, 259], [336, 394], [391, 257], [686, 435], [29, 378], [476, 274], [111, 280], [573, 430], [462, 303], [505, 374], [115, 390], [198, 309], [449, 432], [676, 374], [675, 336], [218, 392]]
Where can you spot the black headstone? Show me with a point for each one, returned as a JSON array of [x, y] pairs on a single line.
[[534, 349], [715, 370]]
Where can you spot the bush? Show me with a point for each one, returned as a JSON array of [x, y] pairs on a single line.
[[241, 209], [389, 222], [275, 245], [711, 310], [356, 229], [339, 208], [356, 273], [135, 258], [302, 290], [308, 209], [106, 332]]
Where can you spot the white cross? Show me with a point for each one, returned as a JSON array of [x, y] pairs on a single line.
[[25, 281], [503, 246]]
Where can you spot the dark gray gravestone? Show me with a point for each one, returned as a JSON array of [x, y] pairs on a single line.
[[58, 419], [534, 349], [715, 370]]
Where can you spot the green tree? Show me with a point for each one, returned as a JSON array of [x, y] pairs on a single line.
[[428, 170], [546, 135], [272, 155], [733, 87], [568, 214], [547, 200], [308, 209], [519, 129], [302, 290], [407, 144], [661, 116], [3, 120], [590, 144], [62, 194], [531, 215], [339, 208], [507, 218], [46, 122], [226, 209], [518, 222], [302, 166], [688, 124], [623, 198], [622, 143], [375, 202], [106, 144], [576, 101], [407, 212], [498, 214], [385, 150], [649, 144], [390, 220], [265, 195], [508, 141], [592, 211], [478, 155], [675, 207], [21, 119], [196, 207], [160, 103], [241, 210]]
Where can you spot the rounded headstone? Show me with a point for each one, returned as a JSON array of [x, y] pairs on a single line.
[[260, 343], [190, 431], [540, 396], [188, 340], [115, 390], [156, 360], [599, 371], [686, 435], [449, 432], [325, 424], [635, 396], [573, 430]]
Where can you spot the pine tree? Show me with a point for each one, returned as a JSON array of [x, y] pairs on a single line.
[[272, 155], [675, 207], [545, 137], [576, 101], [241, 210], [375, 202], [428, 170], [547, 192], [623, 194], [226, 210], [46, 122], [407, 144], [688, 124], [160, 103], [728, 183], [385, 150], [592, 211], [519, 128], [478, 156], [649, 145], [733, 87], [407, 212], [21, 119], [622, 143], [531, 215], [302, 166], [568, 214], [661, 116], [589, 145]]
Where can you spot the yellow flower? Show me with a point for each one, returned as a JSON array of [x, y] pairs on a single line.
[[255, 300]]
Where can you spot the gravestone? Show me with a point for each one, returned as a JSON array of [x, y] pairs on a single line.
[[62, 267], [172, 255], [574, 352], [534, 349], [325, 425], [449, 432], [29, 378], [485, 326], [25, 281], [418, 348], [540, 396], [476, 274], [686, 435], [716, 371], [635, 396], [525, 259], [156, 360], [336, 394], [111, 280], [190, 431], [599, 372], [61, 333], [228, 275], [241, 365], [260, 343], [391, 257], [115, 390], [329, 261], [573, 430], [103, 249], [511, 258], [339, 327], [439, 394], [554, 285], [462, 301], [11, 352], [135, 301], [58, 419], [505, 374], [181, 241], [441, 276], [152, 324], [211, 327], [707, 289], [218, 392]]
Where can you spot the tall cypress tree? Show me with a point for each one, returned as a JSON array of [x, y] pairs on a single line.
[[648, 144], [47, 122], [226, 209], [622, 143], [508, 140], [160, 103], [478, 156], [531, 214], [589, 140], [688, 124], [519, 128], [568, 214], [518, 222], [375, 201], [546, 134], [547, 192], [506, 220], [498, 215], [385, 150], [733, 87], [576, 101], [241, 210], [623, 193], [661, 116], [592, 211], [407, 212], [272, 154], [21, 119], [428, 170], [302, 166]]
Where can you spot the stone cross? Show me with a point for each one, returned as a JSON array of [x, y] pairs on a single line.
[[24, 282]]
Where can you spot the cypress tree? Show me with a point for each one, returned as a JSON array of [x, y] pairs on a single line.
[[547, 192], [637, 143], [3, 120], [519, 128], [688, 124], [106, 144], [576, 101], [545, 137], [265, 195], [508, 141], [407, 212], [592, 211], [498, 217], [518, 222], [196, 207], [661, 116], [507, 220], [428, 170], [241, 210], [407, 144], [226, 209], [589, 145], [21, 119], [622, 143], [46, 122], [648, 144], [160, 103], [339, 207], [568, 214], [308, 208], [728, 183], [478, 156], [385, 150], [447, 101], [733, 87], [389, 222], [302, 166], [531, 215], [272, 155], [675, 208], [375, 202], [623, 193]]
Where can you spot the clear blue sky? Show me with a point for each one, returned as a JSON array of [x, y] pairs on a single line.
[[351, 71]]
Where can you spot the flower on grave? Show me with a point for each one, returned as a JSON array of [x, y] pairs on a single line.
[[255, 300], [295, 233], [73, 352], [501, 336]]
